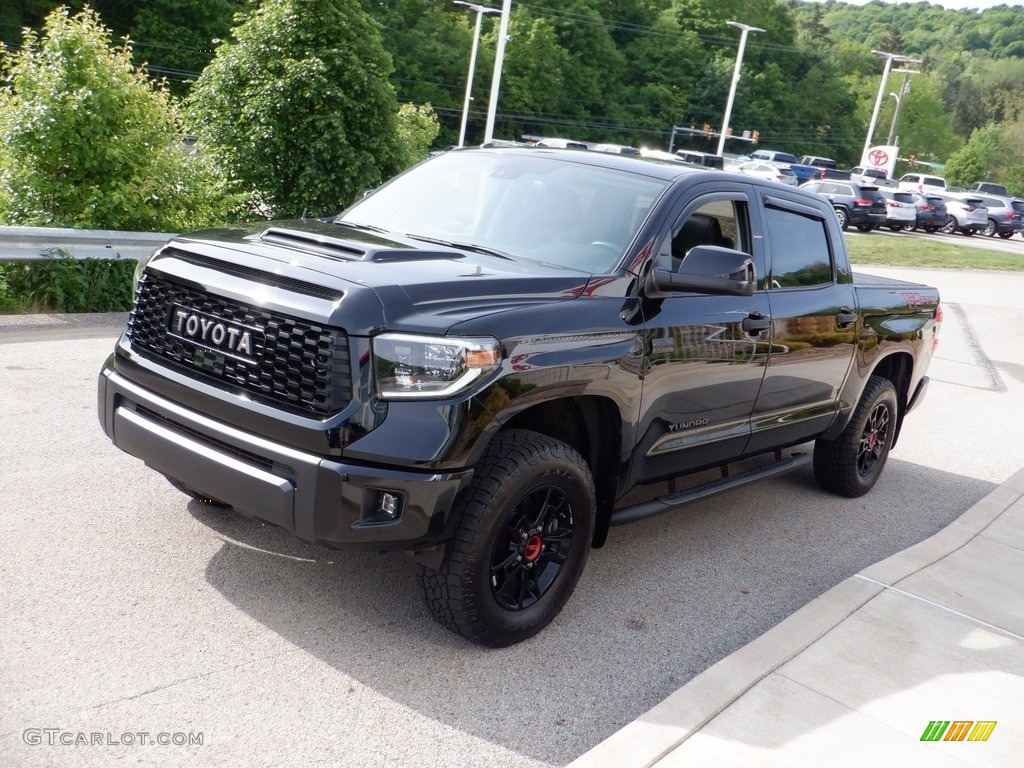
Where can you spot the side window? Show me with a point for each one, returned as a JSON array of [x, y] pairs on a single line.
[[719, 222], [801, 256]]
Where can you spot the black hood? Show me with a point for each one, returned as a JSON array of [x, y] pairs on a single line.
[[370, 280]]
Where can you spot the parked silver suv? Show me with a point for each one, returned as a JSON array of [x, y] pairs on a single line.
[[967, 213], [1005, 214]]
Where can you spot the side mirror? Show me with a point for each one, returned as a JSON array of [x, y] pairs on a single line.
[[710, 269]]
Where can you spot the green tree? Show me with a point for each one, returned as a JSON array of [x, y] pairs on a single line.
[[980, 159], [298, 108], [417, 127], [430, 43], [87, 140], [176, 37]]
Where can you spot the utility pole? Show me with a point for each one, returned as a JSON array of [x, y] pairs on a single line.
[[889, 59], [492, 104], [480, 11], [745, 30]]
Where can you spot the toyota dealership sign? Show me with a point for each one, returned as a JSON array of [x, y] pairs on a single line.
[[883, 158]]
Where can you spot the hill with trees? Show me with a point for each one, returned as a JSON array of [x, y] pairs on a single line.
[[628, 70]]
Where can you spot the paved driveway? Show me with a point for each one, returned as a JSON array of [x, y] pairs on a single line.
[[133, 615]]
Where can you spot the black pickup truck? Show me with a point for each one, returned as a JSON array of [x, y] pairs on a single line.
[[477, 362]]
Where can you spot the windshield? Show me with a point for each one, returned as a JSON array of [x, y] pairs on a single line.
[[528, 207]]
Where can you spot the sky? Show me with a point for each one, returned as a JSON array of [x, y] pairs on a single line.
[[954, 4]]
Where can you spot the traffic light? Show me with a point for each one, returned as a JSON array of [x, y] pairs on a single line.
[[755, 136], [707, 128], [910, 161], [728, 132]]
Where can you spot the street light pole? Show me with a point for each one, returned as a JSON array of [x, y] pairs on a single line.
[[745, 30], [904, 90], [480, 11], [492, 103], [889, 59]]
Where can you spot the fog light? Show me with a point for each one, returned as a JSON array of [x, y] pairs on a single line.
[[389, 505]]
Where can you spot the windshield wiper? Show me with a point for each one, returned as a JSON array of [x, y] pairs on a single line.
[[365, 227], [462, 246]]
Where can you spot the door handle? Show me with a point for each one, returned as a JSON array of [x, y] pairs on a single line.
[[755, 322], [846, 317]]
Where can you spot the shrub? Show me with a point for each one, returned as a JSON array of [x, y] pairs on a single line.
[[62, 284], [87, 140]]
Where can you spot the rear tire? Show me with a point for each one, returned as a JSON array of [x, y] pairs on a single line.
[[524, 529], [1006, 235], [852, 463]]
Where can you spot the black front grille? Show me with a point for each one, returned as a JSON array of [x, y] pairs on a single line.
[[293, 362]]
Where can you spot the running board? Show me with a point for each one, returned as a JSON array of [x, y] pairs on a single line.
[[703, 491]]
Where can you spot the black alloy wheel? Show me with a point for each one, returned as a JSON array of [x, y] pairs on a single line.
[[523, 533], [531, 549], [875, 438], [851, 464]]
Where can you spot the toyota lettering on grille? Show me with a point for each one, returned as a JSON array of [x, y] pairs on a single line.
[[214, 333]]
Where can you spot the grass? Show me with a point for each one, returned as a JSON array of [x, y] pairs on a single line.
[[944, 251]]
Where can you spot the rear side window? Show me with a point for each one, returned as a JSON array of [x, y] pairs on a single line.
[[801, 256], [903, 197]]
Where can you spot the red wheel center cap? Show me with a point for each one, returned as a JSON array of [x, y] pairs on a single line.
[[532, 548], [872, 440]]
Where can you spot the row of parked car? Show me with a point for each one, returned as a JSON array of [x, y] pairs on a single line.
[[867, 199], [863, 197]]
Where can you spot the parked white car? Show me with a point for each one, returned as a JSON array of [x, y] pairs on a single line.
[[920, 182], [769, 171]]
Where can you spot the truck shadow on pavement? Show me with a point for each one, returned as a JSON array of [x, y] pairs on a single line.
[[663, 600]]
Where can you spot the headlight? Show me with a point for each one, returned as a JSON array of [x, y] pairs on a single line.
[[411, 366], [140, 267]]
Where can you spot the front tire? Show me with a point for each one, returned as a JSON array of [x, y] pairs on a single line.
[[990, 229], [524, 529], [852, 463]]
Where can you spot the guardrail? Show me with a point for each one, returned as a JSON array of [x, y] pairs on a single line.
[[41, 243]]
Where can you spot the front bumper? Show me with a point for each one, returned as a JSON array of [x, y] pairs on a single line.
[[317, 499]]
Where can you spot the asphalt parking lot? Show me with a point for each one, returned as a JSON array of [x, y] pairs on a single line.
[[132, 613]]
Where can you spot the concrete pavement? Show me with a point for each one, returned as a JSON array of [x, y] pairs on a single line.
[[929, 636]]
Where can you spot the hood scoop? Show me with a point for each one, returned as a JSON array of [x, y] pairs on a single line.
[[330, 247], [348, 250]]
